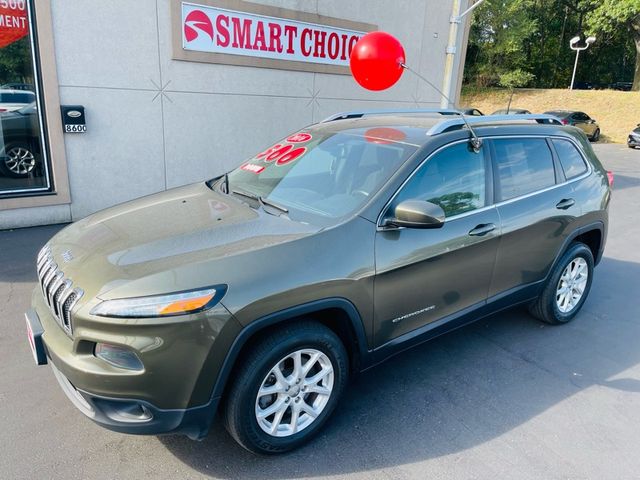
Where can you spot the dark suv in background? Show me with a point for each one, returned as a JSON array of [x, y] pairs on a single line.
[[263, 290]]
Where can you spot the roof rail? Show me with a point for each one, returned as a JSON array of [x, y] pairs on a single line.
[[364, 113], [449, 124]]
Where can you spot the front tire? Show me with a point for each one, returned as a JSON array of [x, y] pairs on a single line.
[[286, 388], [596, 136], [567, 287]]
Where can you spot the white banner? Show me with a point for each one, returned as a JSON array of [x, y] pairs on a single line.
[[218, 30]]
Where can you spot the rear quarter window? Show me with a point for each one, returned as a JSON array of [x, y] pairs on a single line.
[[570, 158], [524, 165]]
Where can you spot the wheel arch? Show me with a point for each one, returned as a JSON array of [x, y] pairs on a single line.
[[592, 235], [338, 314]]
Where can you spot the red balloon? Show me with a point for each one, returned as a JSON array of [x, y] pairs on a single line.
[[376, 60]]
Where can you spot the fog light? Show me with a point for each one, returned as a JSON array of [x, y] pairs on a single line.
[[118, 356]]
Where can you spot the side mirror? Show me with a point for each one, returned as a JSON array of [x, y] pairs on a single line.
[[416, 214]]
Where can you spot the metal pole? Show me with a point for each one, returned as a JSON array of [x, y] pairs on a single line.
[[452, 49], [447, 79], [575, 67]]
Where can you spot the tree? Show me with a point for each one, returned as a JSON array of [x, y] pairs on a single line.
[[610, 15], [15, 62], [500, 34], [533, 36], [515, 79]]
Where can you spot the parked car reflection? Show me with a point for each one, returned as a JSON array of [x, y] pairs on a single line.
[[11, 99], [19, 149]]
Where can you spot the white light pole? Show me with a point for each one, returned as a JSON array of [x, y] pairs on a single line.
[[574, 45], [452, 49]]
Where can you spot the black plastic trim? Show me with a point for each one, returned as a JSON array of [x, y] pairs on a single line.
[[105, 411], [287, 314]]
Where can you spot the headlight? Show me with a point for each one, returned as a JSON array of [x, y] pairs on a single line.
[[179, 303]]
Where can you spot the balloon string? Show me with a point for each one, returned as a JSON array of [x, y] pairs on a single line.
[[404, 65], [477, 143]]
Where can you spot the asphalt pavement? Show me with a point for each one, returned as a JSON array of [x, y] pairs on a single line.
[[507, 397]]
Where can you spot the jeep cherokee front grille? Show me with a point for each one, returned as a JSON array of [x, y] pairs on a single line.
[[58, 291]]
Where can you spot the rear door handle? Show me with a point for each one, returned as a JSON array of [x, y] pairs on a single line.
[[482, 229], [565, 203]]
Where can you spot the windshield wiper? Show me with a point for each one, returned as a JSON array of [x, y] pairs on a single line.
[[260, 200], [226, 183]]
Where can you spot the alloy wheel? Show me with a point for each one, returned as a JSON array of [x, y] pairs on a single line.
[[572, 284], [20, 160], [294, 392]]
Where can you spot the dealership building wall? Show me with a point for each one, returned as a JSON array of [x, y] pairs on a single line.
[[155, 122]]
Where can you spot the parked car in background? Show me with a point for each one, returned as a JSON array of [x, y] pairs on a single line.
[[474, 112], [511, 111], [578, 119], [634, 138], [11, 99], [622, 86], [583, 86], [19, 145]]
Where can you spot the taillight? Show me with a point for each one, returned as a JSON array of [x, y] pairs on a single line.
[[565, 121], [610, 178]]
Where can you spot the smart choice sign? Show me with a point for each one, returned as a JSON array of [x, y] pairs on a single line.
[[214, 29]]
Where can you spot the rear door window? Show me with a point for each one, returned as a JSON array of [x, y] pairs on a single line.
[[523, 165], [570, 158]]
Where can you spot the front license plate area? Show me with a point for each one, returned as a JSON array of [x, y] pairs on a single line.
[[34, 336]]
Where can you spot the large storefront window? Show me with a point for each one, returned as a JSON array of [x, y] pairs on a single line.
[[23, 163]]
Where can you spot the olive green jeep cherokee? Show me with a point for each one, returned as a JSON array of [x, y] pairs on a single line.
[[259, 293]]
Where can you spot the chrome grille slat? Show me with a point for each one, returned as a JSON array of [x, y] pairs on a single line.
[[62, 292], [58, 291], [58, 278], [49, 276]]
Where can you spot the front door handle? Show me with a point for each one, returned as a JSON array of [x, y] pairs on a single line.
[[565, 203], [482, 229]]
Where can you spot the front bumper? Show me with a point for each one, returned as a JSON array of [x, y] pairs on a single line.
[[633, 141], [172, 394], [139, 417]]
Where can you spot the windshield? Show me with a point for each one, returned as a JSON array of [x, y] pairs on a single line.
[[320, 177]]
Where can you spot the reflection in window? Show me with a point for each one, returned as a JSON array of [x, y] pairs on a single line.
[[454, 178], [23, 167], [524, 166], [571, 160]]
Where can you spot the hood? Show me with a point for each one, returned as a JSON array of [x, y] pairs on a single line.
[[185, 226]]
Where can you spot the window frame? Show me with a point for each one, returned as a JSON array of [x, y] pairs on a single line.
[[48, 98], [489, 185], [491, 173], [561, 168], [497, 187]]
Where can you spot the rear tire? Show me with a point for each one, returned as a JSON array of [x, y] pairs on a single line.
[[567, 287], [276, 374]]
